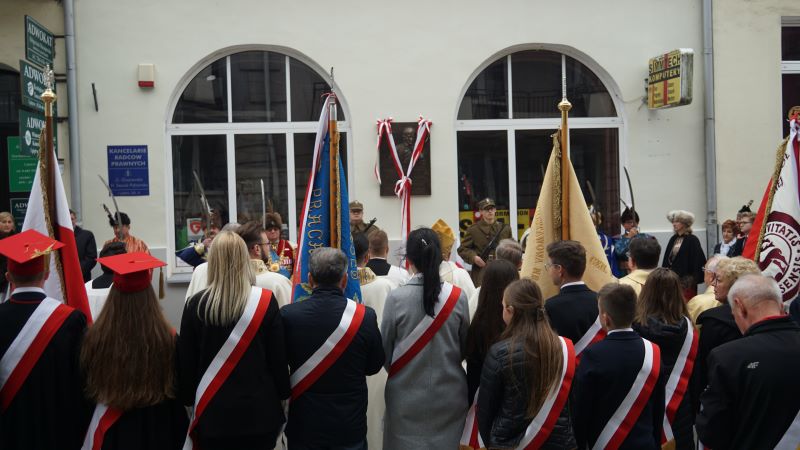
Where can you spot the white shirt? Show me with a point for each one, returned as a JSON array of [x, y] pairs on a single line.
[[618, 330], [574, 283]]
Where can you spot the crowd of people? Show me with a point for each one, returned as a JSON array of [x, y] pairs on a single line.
[[430, 356]]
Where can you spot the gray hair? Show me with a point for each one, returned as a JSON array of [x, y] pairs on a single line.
[[327, 265], [751, 289], [231, 226], [510, 250], [684, 217], [711, 264]]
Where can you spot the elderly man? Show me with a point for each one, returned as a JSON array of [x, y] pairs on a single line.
[[329, 389], [482, 238], [752, 396], [701, 303]]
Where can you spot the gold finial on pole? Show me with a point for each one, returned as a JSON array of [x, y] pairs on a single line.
[[564, 106]]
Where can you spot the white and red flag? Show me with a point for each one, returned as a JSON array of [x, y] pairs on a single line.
[[774, 240], [65, 282]]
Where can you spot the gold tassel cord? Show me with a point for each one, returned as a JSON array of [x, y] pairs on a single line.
[[776, 174]]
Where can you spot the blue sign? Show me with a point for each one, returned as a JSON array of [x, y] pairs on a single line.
[[128, 173]]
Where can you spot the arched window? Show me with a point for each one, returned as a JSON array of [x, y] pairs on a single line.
[[504, 124], [245, 118]]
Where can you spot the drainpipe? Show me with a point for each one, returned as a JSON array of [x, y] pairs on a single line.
[[72, 100], [712, 236]]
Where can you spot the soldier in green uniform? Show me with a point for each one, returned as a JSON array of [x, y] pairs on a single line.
[[357, 224], [479, 236]]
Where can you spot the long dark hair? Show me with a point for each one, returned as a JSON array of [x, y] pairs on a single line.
[[661, 298], [530, 328], [424, 252], [487, 324]]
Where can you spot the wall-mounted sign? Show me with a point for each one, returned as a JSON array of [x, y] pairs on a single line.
[[19, 206], [32, 85], [669, 82], [128, 173], [39, 43], [30, 130], [21, 168]]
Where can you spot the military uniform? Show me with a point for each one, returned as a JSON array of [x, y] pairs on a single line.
[[476, 239], [360, 227]]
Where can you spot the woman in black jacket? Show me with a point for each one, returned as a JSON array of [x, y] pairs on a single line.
[[246, 411], [662, 318], [684, 254], [520, 372]]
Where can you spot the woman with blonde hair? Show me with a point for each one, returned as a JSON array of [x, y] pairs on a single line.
[[684, 254], [128, 360], [7, 228], [662, 319], [526, 378], [232, 362]]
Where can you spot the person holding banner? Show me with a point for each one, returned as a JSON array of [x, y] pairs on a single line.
[[751, 401], [128, 361], [41, 403], [618, 395], [424, 329], [333, 344], [526, 379], [232, 364], [662, 319]]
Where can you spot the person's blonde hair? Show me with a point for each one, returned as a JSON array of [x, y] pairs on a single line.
[[731, 269], [230, 278], [530, 328], [128, 355], [5, 215]]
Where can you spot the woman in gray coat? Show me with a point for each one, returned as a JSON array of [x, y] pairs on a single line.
[[426, 399]]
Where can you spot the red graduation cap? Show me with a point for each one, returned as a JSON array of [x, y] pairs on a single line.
[[25, 251], [132, 271]]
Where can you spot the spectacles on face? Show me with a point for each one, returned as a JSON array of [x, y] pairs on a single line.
[[549, 265]]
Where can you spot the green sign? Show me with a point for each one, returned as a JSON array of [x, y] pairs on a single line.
[[32, 85], [30, 130], [21, 168], [39, 43], [19, 206]]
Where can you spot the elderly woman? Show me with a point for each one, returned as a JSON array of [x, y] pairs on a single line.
[[728, 245], [717, 323], [683, 254]]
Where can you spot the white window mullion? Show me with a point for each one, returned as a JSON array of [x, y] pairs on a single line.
[[230, 155], [230, 92], [291, 191], [288, 92], [510, 89], [512, 182]]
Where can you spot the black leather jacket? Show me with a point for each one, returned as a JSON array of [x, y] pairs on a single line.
[[503, 402]]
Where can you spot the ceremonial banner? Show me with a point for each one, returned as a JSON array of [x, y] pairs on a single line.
[[325, 223], [774, 240], [546, 228]]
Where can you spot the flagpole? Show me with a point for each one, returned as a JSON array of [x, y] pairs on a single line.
[[46, 166], [564, 106]]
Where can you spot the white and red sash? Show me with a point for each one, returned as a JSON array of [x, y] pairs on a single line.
[[24, 352], [102, 419], [330, 351], [595, 333], [791, 439], [626, 415], [470, 437], [419, 337], [542, 424], [229, 355], [678, 379]]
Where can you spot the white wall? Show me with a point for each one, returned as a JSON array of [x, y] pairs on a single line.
[[747, 96]]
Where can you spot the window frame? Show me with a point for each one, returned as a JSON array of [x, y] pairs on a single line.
[[230, 129], [512, 125]]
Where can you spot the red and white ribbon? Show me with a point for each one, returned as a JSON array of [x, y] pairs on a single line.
[[402, 187], [542, 424], [228, 356], [678, 379], [470, 437], [628, 412], [425, 330], [595, 333], [330, 351], [102, 419], [25, 350]]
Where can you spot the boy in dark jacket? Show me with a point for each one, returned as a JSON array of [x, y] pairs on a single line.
[[618, 397]]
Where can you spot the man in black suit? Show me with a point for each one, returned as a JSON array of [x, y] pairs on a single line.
[[573, 311], [752, 396], [87, 248], [605, 377], [331, 413]]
